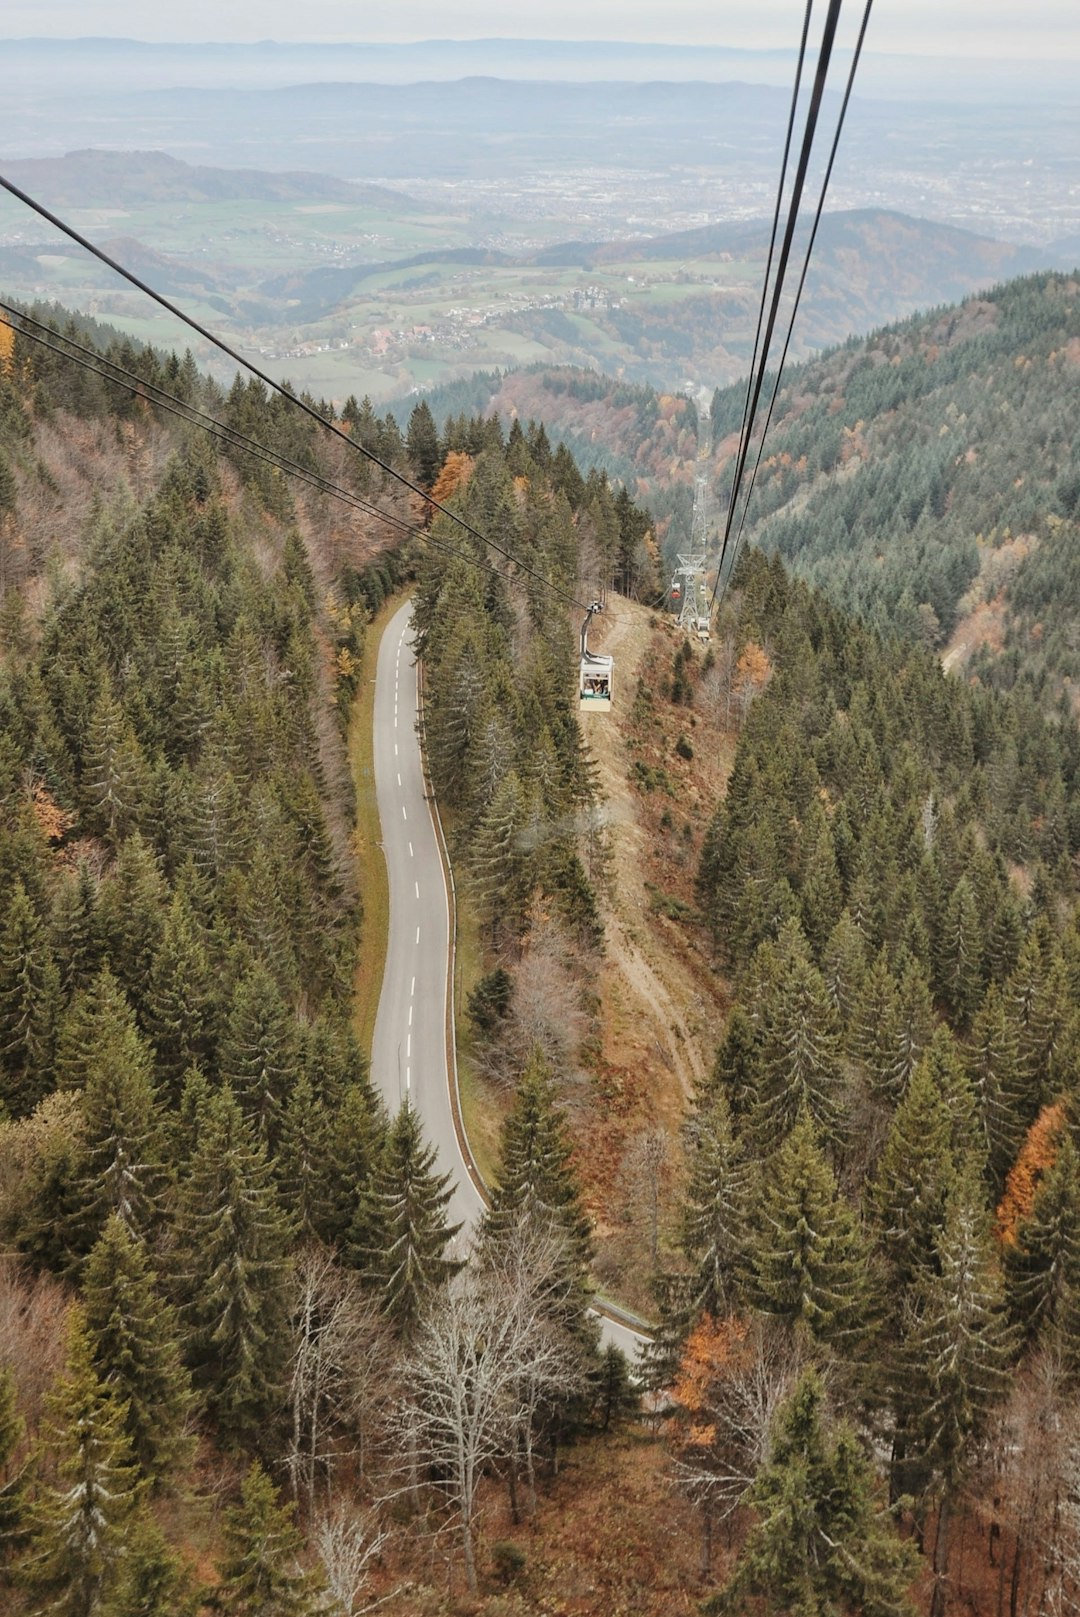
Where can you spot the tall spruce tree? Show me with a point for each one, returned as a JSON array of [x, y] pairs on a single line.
[[821, 1542], [261, 1574], [714, 1213], [78, 1523], [232, 1268], [798, 1064], [135, 1336], [405, 1210], [29, 1005], [806, 1254]]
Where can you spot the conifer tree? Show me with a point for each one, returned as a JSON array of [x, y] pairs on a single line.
[[910, 1189], [874, 1035], [121, 1166], [806, 1254], [132, 909], [844, 966], [1041, 1260], [536, 1175], [151, 1580], [178, 998], [821, 1541], [406, 1208], [258, 1052], [798, 1063], [78, 1523], [135, 1337], [261, 1575], [950, 1368], [303, 1164], [537, 1191], [29, 1004], [714, 1215], [735, 1071], [75, 929], [997, 1078], [358, 1139], [115, 775], [232, 1271]]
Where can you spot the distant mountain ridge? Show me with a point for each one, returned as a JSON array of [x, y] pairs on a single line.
[[94, 177]]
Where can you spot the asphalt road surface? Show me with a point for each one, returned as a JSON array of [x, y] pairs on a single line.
[[409, 1049]]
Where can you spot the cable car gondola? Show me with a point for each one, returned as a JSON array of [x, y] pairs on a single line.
[[595, 679]]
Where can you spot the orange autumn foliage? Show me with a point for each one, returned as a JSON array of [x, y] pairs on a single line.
[[456, 471], [1037, 1154], [53, 821], [7, 346], [713, 1347], [752, 673]]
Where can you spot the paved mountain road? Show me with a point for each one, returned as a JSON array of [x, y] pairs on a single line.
[[409, 1048]]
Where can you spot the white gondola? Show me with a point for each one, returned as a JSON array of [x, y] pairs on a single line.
[[596, 678]]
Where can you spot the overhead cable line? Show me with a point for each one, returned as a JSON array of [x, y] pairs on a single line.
[[264, 377], [759, 373], [799, 291], [234, 438], [776, 215]]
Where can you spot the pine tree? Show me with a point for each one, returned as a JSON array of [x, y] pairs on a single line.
[[874, 1036], [844, 966], [422, 445], [258, 1052], [538, 1194], [78, 1524], [798, 1065], [357, 1143], [806, 1254], [714, 1215], [961, 953], [121, 1168], [303, 1164], [115, 775], [406, 1206], [232, 1241], [132, 910], [178, 998], [997, 1078], [909, 1192], [151, 1581], [75, 929], [29, 1004], [135, 1337], [821, 1542], [261, 1575], [950, 1368]]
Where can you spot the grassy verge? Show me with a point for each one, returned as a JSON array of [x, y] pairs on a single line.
[[370, 864]]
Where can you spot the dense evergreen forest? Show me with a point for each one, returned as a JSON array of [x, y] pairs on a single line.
[[931, 469], [226, 1271], [244, 1366]]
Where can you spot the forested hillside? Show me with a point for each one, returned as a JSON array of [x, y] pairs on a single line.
[[929, 473], [224, 1291], [244, 1364]]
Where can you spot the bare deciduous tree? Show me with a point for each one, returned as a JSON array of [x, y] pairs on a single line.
[[33, 1311], [347, 1541], [472, 1379], [734, 1376], [341, 1343]]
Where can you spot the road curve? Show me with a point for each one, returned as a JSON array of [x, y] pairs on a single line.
[[409, 1048]]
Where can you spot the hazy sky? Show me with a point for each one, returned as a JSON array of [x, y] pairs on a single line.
[[1036, 29]]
